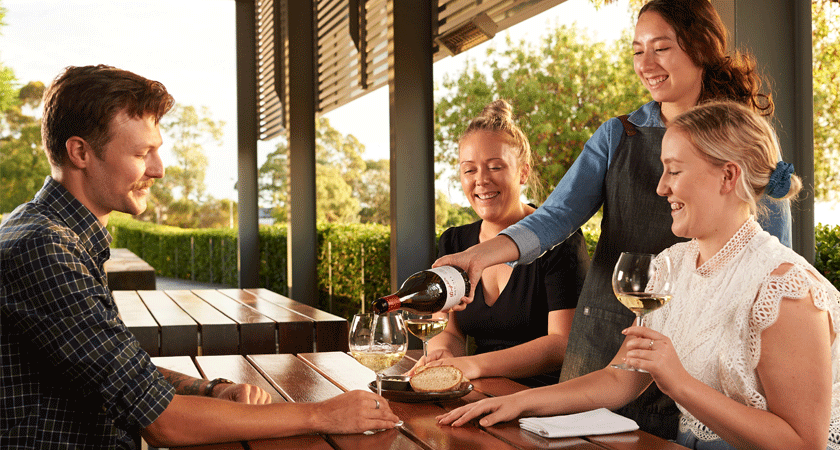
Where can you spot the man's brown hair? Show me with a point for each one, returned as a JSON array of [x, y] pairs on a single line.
[[82, 101]]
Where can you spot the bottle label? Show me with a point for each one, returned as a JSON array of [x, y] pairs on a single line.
[[454, 282], [393, 303]]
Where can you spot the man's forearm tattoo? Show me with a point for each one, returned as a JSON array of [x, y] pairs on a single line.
[[183, 384]]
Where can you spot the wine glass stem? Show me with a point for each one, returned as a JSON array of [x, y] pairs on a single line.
[[638, 321], [378, 383], [425, 352]]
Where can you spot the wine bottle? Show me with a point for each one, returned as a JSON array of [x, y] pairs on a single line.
[[427, 291]]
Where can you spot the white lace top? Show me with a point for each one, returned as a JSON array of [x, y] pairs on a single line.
[[719, 310]]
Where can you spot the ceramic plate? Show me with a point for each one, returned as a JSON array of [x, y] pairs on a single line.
[[397, 389]]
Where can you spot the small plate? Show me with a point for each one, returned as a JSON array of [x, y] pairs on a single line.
[[398, 389]]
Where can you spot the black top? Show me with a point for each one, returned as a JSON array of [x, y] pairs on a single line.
[[520, 314]]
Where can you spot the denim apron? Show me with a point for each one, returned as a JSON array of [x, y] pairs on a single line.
[[635, 219]]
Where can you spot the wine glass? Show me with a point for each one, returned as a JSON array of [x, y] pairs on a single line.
[[426, 326], [642, 283], [378, 342]]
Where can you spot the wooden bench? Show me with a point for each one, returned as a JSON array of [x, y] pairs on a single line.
[[126, 271], [228, 322]]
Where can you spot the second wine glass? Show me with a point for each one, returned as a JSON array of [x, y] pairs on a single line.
[[642, 283]]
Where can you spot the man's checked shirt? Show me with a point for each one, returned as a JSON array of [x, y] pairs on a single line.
[[72, 375]]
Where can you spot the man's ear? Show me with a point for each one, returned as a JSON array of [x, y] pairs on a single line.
[[731, 174], [79, 152]]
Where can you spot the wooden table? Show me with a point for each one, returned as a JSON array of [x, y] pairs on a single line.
[[227, 322], [311, 377], [125, 270]]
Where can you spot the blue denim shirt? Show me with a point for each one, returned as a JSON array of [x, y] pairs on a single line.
[[579, 194]]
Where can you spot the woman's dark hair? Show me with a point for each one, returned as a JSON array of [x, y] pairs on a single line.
[[702, 35], [82, 101]]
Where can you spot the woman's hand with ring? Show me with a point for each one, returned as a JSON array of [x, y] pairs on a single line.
[[653, 352]]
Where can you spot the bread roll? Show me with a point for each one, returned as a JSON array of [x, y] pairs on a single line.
[[437, 379]]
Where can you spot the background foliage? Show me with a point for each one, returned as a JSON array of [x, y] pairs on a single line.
[[353, 259], [561, 90], [826, 70]]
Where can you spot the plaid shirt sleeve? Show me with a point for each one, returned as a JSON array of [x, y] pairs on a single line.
[[58, 297]]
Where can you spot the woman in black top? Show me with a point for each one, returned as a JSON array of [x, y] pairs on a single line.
[[521, 316]]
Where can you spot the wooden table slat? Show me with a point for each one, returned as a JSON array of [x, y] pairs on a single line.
[[178, 331], [221, 446], [301, 383], [139, 320], [295, 332], [219, 333], [183, 364], [295, 379], [257, 333], [127, 271], [240, 370], [635, 440], [331, 331]]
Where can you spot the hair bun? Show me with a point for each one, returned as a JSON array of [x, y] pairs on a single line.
[[499, 110]]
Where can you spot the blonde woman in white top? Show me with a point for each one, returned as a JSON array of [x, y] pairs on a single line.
[[747, 347]]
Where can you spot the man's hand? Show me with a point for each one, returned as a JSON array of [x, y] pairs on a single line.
[[241, 393]]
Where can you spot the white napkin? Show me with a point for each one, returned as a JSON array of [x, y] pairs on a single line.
[[599, 421]]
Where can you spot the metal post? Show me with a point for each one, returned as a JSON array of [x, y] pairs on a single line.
[[246, 113], [303, 242], [412, 139], [778, 33]]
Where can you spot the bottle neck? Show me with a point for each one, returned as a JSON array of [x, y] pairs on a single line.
[[393, 302]]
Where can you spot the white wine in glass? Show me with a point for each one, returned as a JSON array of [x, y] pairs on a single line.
[[642, 283], [378, 342], [426, 326]]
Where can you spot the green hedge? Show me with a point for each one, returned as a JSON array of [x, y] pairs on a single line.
[[353, 259], [827, 258]]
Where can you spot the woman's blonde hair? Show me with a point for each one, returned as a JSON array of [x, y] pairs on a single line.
[[726, 131], [497, 117]]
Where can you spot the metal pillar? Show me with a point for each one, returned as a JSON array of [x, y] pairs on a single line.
[[778, 33], [247, 135], [302, 248], [412, 139]]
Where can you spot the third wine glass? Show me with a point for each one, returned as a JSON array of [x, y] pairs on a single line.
[[642, 283]]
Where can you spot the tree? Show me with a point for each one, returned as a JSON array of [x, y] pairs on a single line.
[[190, 132], [560, 91], [178, 199], [826, 71], [449, 214], [7, 77], [338, 168], [374, 190], [23, 163]]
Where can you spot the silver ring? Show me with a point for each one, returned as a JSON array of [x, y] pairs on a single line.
[[650, 346], [377, 403]]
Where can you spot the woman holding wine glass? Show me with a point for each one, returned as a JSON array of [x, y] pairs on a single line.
[[747, 346], [521, 316]]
